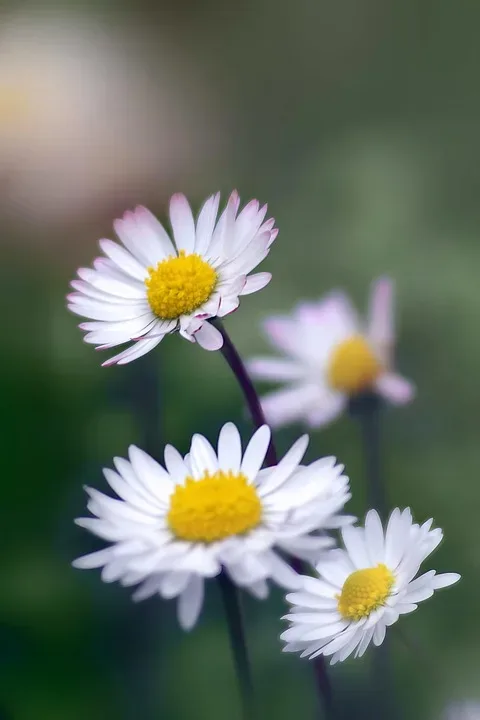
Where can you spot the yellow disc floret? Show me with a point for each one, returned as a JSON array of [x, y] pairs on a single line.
[[364, 591], [179, 285], [214, 507], [353, 367]]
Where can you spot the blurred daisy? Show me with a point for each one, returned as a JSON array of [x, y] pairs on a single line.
[[365, 588], [463, 711], [213, 510], [331, 356], [152, 287], [79, 105]]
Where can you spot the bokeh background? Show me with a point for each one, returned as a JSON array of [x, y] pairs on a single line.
[[359, 123]]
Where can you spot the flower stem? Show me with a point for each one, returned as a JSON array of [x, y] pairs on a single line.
[[366, 409], [137, 386], [231, 355], [238, 644]]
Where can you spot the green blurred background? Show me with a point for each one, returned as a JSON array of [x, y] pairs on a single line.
[[359, 123]]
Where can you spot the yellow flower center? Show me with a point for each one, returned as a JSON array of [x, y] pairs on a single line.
[[214, 507], [353, 367], [179, 285], [364, 591]]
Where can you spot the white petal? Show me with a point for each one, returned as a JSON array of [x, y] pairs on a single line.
[[93, 560], [175, 464], [229, 448], [281, 572], [202, 457], [265, 368], [374, 539], [327, 408], [150, 587], [224, 228], [379, 633], [311, 601], [129, 494], [256, 282], [227, 305], [353, 539], [381, 330], [258, 589], [209, 337], [148, 471], [347, 650], [416, 596], [98, 310], [444, 580], [190, 603], [287, 465], [142, 347], [283, 407], [395, 388], [144, 236], [255, 452], [182, 223], [206, 223], [365, 642], [124, 260]]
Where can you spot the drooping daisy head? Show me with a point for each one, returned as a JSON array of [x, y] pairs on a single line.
[[330, 355], [174, 526], [364, 588], [153, 286]]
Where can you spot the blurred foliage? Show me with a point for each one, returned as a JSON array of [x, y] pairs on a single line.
[[358, 122]]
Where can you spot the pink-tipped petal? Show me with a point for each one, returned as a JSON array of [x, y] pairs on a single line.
[[206, 223], [327, 410], [282, 332], [288, 405], [142, 347], [395, 388], [183, 225], [275, 369], [256, 282], [209, 337], [381, 330]]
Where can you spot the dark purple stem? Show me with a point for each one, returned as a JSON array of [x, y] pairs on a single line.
[[230, 353]]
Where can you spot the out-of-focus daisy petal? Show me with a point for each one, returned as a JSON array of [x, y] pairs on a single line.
[[335, 356], [381, 327], [395, 388]]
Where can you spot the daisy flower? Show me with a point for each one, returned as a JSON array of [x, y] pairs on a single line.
[[153, 286], [174, 526], [463, 711], [364, 588], [331, 355]]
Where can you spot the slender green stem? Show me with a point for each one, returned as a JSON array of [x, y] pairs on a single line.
[[238, 644], [137, 386], [367, 410], [236, 364]]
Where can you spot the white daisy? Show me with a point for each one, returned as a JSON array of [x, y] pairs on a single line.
[[151, 287], [463, 711], [174, 527], [363, 589], [330, 356]]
